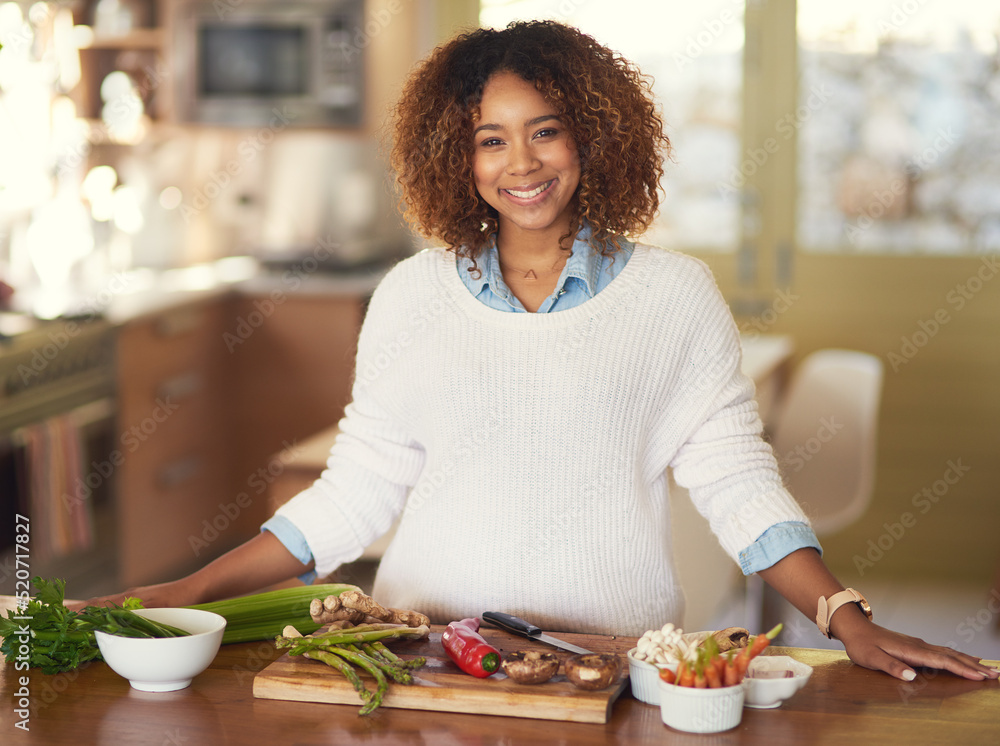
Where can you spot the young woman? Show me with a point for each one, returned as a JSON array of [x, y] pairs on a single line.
[[521, 392]]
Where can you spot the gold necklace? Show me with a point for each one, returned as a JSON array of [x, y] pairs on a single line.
[[531, 274]]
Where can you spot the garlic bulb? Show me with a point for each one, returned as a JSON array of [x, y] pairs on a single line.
[[661, 646]]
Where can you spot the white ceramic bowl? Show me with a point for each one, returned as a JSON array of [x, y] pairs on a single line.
[[701, 710], [165, 664], [644, 678], [764, 692]]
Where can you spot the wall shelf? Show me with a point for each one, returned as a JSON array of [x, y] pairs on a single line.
[[140, 38]]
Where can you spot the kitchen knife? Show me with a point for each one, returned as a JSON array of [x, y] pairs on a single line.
[[526, 629]]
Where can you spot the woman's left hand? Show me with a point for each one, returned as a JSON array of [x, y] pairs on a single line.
[[875, 647], [801, 576]]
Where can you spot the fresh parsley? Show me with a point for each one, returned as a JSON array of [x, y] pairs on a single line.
[[59, 639]]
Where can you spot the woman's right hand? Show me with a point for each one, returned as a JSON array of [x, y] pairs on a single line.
[[260, 562], [174, 593]]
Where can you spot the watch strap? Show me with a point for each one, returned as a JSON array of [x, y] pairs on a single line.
[[827, 606]]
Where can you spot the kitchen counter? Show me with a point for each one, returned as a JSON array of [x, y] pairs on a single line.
[[840, 703], [144, 292]]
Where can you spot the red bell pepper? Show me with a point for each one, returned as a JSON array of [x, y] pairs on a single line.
[[470, 652]]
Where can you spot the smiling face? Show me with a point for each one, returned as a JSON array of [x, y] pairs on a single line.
[[526, 165]]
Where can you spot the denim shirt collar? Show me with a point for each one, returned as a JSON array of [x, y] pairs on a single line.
[[583, 266]]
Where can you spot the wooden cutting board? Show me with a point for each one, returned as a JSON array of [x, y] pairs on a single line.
[[441, 686]]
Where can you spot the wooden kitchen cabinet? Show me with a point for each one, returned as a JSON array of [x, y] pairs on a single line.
[[215, 398], [293, 377], [176, 505]]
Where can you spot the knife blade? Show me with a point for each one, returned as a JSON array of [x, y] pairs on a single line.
[[520, 627]]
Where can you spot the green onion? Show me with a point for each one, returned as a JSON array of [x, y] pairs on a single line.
[[263, 616]]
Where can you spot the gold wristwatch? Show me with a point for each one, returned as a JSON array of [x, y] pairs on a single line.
[[829, 605]]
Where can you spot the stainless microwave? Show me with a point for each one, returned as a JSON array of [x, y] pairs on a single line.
[[259, 64]]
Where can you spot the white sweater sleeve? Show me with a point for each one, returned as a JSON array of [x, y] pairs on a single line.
[[728, 469], [371, 467]]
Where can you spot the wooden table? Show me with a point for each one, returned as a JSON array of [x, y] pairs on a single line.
[[840, 704]]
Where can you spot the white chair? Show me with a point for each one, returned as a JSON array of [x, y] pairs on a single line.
[[824, 436]]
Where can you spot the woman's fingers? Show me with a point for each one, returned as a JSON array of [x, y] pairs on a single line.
[[118, 599], [880, 660], [898, 655], [946, 659]]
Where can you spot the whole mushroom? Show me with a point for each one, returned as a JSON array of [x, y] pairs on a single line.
[[593, 671], [530, 667]]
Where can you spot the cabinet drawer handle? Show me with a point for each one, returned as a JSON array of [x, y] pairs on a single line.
[[180, 386], [179, 471]]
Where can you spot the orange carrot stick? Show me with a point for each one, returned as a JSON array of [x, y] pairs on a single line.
[[699, 675], [760, 643], [730, 676], [685, 674], [712, 677], [719, 663]]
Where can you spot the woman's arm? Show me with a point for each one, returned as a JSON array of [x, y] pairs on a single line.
[[260, 562], [802, 577]]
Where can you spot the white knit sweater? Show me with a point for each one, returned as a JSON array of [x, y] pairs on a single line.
[[536, 447]]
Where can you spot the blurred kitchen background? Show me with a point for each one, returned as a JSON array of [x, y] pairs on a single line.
[[195, 206]]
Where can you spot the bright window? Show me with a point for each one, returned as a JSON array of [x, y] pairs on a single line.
[[903, 158], [897, 152]]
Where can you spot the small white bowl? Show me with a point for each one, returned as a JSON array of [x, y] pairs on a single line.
[[763, 692], [701, 710], [165, 664], [644, 678]]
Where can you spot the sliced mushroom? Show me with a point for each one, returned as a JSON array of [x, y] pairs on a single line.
[[530, 667], [593, 671], [731, 637]]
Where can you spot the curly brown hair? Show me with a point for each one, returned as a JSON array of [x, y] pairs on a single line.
[[603, 100]]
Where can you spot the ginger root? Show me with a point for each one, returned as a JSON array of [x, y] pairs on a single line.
[[356, 607], [342, 624], [331, 609], [410, 618]]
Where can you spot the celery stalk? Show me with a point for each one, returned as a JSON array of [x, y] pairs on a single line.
[[263, 616]]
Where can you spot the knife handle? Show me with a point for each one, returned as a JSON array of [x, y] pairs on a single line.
[[511, 623]]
